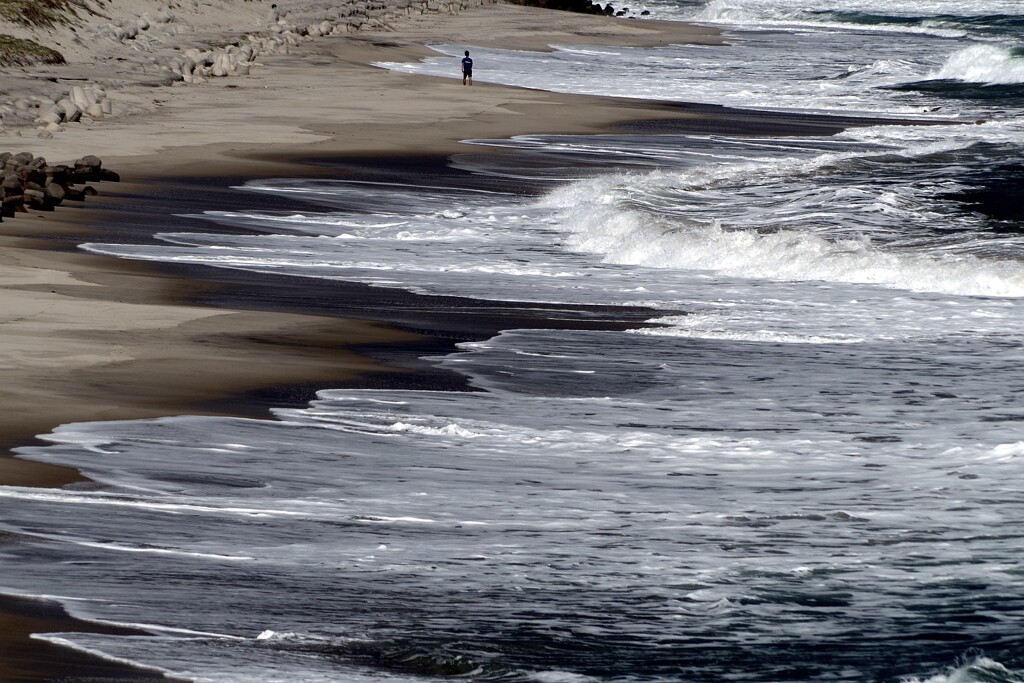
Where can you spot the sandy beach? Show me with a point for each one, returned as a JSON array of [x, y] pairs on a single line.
[[88, 337], [69, 313]]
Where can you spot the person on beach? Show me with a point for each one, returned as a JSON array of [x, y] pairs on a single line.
[[467, 69]]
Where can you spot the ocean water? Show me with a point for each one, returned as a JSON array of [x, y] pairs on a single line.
[[807, 466]]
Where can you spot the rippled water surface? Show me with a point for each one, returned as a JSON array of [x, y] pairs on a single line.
[[805, 466]]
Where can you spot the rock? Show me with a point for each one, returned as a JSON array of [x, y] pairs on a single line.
[[11, 204], [55, 193], [87, 168], [37, 200], [82, 97], [72, 112], [197, 56], [57, 174], [221, 66], [11, 185], [89, 161], [51, 115]]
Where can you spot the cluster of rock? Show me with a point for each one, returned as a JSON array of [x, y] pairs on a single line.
[[147, 33], [88, 101], [29, 182], [581, 6], [360, 15], [120, 30], [195, 65], [49, 113], [346, 16], [238, 58]]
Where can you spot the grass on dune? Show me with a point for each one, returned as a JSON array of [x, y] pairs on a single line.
[[21, 52], [45, 13], [42, 14]]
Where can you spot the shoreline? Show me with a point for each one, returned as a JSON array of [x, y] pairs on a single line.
[[148, 150], [196, 333], [182, 296], [153, 149]]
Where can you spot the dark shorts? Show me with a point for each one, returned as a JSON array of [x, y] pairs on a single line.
[[467, 72]]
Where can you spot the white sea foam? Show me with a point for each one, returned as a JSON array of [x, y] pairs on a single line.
[[631, 238], [592, 212], [445, 430], [820, 11], [559, 677], [977, 670], [756, 14], [716, 327], [101, 499], [926, 139], [297, 218], [388, 520], [60, 639], [988, 64], [726, 11], [269, 635], [120, 547]]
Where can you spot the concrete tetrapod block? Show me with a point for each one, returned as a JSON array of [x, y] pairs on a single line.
[[51, 115], [78, 96], [72, 112]]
